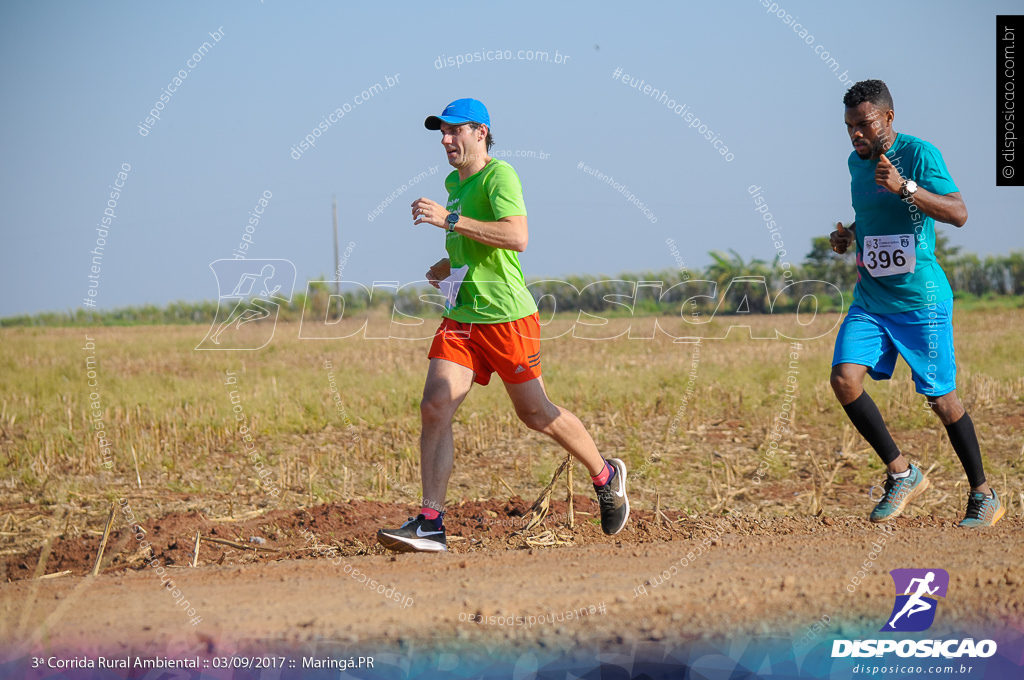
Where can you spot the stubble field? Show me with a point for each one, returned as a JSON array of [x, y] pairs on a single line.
[[772, 552]]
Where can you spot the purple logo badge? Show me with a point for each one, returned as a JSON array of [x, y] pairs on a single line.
[[917, 591]]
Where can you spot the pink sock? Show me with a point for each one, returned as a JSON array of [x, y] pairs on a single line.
[[602, 479], [429, 513]]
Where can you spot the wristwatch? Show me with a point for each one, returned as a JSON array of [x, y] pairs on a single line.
[[908, 189], [454, 217]]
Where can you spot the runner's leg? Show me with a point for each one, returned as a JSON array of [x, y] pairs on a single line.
[[538, 413], [446, 387], [848, 384], [963, 437]]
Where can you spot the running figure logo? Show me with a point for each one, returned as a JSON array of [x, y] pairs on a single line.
[[914, 609], [257, 288]]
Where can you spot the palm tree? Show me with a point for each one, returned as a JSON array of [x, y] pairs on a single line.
[[743, 285], [824, 264]]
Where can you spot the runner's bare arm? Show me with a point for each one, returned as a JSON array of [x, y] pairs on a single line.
[[948, 208], [510, 233]]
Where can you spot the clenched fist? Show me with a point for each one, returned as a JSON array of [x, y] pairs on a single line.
[[840, 239], [439, 271], [886, 175]]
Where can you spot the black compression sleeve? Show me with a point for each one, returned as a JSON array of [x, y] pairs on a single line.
[[865, 416]]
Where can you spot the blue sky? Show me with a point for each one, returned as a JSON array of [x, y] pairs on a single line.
[[78, 79]]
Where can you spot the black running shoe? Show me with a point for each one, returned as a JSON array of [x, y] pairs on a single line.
[[416, 535], [612, 498]]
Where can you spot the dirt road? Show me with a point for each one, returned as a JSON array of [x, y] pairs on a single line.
[[730, 576]]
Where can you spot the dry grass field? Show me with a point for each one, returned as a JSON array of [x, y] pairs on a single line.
[[174, 424], [786, 531]]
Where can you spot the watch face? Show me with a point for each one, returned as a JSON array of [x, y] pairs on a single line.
[[453, 218]]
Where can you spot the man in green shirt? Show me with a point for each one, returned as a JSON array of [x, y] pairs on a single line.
[[490, 325]]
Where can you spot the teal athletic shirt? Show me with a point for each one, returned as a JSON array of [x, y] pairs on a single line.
[[896, 266]]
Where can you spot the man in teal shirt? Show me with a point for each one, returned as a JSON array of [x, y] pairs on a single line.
[[902, 302], [490, 326]]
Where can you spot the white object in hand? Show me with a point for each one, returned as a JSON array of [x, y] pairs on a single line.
[[450, 286]]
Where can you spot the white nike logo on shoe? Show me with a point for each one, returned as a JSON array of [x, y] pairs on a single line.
[[621, 491], [422, 534]]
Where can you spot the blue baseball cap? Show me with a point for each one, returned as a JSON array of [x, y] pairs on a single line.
[[458, 112]]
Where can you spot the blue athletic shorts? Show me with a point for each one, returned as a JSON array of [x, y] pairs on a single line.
[[923, 337]]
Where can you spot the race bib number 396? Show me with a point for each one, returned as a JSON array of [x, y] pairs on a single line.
[[889, 255]]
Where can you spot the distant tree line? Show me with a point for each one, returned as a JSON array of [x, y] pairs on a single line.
[[728, 285]]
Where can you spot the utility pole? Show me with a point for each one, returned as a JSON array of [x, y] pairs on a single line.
[[337, 282]]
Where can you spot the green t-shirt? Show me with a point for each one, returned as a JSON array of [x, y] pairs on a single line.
[[494, 290], [896, 266]]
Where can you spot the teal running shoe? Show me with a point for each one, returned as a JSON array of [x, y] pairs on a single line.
[[898, 493], [982, 510]]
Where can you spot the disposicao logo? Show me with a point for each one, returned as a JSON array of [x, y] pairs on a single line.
[[248, 291], [914, 610], [917, 593]]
